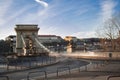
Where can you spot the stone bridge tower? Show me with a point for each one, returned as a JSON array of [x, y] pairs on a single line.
[[26, 39]]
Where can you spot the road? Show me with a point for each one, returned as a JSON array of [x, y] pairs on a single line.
[[72, 63]]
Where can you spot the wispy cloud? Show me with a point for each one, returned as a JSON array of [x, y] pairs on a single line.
[[42, 3], [16, 14], [4, 8], [7, 21], [107, 9], [55, 16]]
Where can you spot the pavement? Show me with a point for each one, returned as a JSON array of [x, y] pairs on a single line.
[[50, 69], [92, 72]]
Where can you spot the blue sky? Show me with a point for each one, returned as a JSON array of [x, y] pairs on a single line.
[[78, 18]]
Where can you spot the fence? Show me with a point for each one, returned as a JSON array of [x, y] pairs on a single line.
[[62, 68], [115, 76], [28, 76], [25, 63], [4, 78]]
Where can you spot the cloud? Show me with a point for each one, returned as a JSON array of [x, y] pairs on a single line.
[[107, 9], [4, 8], [48, 30], [87, 34], [16, 14], [42, 3]]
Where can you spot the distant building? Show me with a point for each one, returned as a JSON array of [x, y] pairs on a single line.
[[12, 40], [54, 42], [71, 43], [80, 45], [49, 38], [92, 43], [108, 45], [70, 38], [42, 39]]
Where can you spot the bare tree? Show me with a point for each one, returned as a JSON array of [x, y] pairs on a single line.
[[110, 31]]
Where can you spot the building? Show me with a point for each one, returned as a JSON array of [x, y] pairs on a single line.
[[12, 40], [70, 38], [42, 38], [85, 44], [49, 38], [71, 43]]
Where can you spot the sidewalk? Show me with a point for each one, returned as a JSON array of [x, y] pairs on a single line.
[[93, 72]]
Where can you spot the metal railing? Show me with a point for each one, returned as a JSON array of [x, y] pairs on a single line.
[[45, 73], [25, 63], [4, 77], [60, 68], [113, 76], [81, 68]]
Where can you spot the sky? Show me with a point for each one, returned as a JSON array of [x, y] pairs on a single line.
[[78, 18]]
